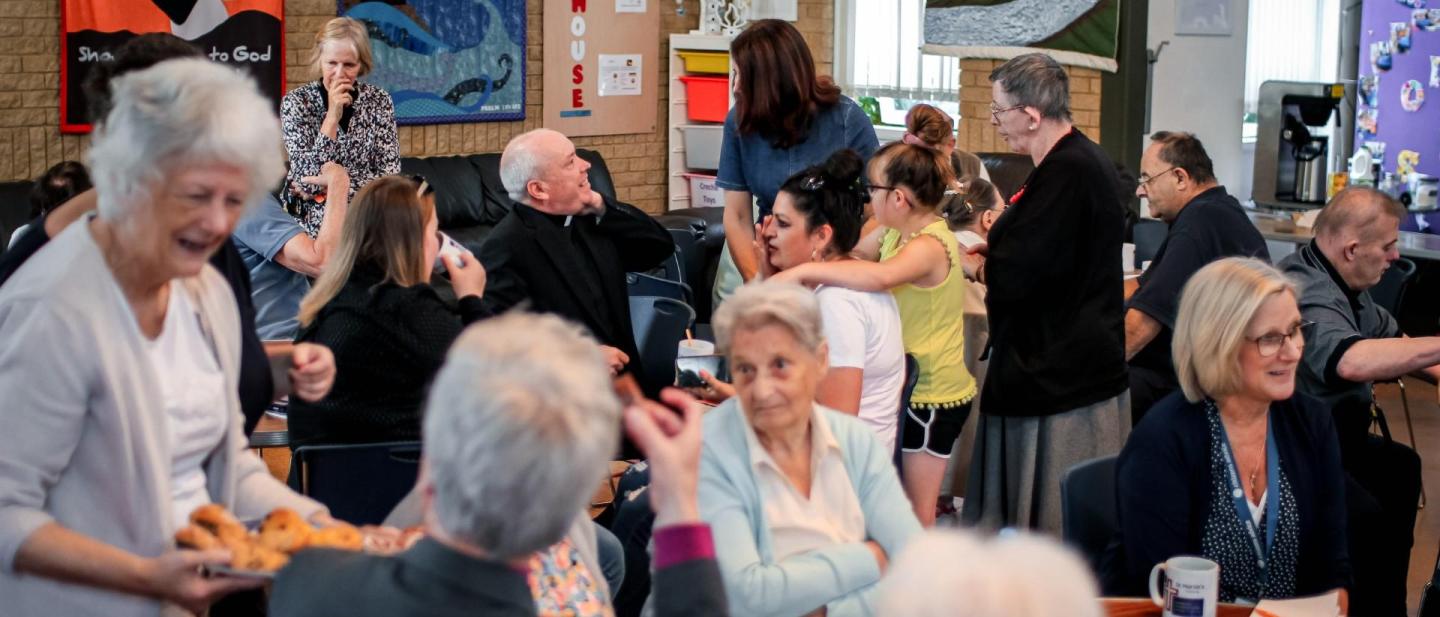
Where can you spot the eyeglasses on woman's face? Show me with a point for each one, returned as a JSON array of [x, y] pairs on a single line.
[[1269, 344], [996, 111]]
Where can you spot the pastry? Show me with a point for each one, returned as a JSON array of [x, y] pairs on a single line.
[[284, 530], [219, 522], [339, 535], [197, 538]]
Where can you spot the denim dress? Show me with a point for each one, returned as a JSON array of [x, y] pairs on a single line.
[[751, 163]]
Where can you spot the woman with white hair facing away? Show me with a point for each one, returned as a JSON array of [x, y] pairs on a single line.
[[949, 573], [1237, 467], [337, 118], [803, 500], [119, 376]]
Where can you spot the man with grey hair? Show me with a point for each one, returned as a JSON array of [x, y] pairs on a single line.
[[519, 425], [1353, 343], [565, 248], [515, 391]]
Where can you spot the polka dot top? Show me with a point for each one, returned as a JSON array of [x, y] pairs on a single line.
[[1227, 543]]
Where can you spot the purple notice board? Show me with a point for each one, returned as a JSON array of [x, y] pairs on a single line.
[[1398, 103]]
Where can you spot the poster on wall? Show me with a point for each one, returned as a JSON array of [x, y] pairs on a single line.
[[1075, 32], [1403, 43], [602, 62], [446, 61], [243, 33]]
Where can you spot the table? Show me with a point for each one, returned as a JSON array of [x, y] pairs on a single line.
[[1143, 607], [1282, 229]]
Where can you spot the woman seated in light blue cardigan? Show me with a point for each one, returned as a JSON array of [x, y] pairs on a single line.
[[803, 500]]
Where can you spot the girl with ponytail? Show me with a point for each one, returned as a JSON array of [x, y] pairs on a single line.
[[920, 264]]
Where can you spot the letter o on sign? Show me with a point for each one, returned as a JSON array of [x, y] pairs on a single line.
[[577, 26]]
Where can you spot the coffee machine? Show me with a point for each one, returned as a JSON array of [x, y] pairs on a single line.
[[1292, 146]]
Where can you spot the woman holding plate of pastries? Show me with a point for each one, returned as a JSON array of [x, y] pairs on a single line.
[[119, 375]]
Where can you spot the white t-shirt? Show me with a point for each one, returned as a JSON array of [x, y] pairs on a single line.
[[863, 330], [193, 389]]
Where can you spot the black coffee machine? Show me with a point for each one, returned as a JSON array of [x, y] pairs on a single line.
[[1292, 147]]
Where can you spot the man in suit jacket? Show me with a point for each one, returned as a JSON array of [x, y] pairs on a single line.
[[565, 248]]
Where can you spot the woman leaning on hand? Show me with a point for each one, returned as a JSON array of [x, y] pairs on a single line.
[[337, 118], [803, 500], [1236, 452], [119, 377], [1056, 390]]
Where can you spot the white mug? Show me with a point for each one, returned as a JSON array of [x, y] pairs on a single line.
[[1127, 257], [695, 347], [1192, 587]]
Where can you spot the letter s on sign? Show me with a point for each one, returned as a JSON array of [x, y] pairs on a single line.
[[577, 75]]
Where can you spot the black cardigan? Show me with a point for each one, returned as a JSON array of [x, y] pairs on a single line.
[[1054, 291], [389, 342], [1163, 492]]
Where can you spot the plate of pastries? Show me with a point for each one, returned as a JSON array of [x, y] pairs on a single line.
[[262, 551]]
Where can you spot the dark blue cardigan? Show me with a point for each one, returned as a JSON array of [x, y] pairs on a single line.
[[1163, 493]]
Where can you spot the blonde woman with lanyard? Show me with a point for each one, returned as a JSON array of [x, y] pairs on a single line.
[[1237, 468], [919, 262]]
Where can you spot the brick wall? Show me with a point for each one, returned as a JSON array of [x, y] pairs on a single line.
[[30, 139], [976, 134]]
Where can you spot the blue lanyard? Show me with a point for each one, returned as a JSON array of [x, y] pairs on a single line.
[[1272, 502]]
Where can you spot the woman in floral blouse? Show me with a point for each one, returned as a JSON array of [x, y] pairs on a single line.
[[337, 118]]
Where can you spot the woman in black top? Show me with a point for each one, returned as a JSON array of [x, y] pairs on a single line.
[[1237, 467], [374, 307], [1055, 392]]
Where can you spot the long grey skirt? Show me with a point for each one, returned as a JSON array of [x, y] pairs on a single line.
[[1017, 464]]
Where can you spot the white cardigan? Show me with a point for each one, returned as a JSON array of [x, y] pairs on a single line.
[[84, 442]]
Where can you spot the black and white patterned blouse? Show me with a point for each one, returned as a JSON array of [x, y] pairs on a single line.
[[367, 147], [1227, 543]]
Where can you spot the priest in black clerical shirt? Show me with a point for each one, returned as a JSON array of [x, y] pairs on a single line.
[[565, 248]]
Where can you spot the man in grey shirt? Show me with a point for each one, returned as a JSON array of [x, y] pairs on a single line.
[[1352, 343], [282, 258]]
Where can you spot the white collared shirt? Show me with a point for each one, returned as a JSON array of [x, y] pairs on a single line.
[[831, 515]]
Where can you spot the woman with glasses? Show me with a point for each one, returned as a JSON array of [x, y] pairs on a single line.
[[374, 307], [1056, 389], [919, 262], [1237, 467]]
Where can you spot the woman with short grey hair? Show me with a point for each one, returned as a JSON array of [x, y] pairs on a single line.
[[1056, 391], [121, 357], [803, 500]]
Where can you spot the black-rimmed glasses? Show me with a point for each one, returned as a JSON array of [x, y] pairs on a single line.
[[1270, 344]]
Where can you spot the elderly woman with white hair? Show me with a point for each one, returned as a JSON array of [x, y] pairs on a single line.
[[803, 500], [1237, 467], [949, 573], [119, 376]]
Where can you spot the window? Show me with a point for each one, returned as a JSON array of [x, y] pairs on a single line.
[[877, 56], [1291, 40]]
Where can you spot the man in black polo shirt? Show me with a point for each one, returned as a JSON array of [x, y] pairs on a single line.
[[1353, 343], [1206, 224]]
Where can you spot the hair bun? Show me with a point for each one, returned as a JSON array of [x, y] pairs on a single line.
[[844, 169]]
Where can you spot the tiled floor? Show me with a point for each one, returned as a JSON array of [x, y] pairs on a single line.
[[1425, 414]]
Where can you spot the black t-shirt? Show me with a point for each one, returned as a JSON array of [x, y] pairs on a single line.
[[1212, 226], [256, 385]]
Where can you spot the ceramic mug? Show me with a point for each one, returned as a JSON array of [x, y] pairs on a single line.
[[1192, 587]]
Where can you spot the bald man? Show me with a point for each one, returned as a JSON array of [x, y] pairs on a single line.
[[1352, 344], [565, 248]]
